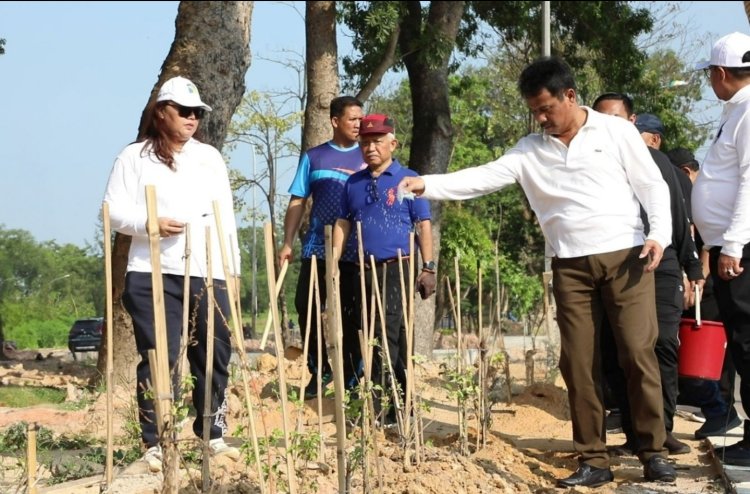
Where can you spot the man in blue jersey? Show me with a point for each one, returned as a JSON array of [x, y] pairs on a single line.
[[371, 198], [321, 174]]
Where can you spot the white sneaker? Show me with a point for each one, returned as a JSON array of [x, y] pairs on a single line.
[[220, 448], [690, 415], [153, 458]]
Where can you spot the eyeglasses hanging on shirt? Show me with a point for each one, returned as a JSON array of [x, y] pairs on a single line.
[[372, 191]]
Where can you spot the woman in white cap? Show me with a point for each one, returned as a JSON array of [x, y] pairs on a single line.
[[188, 177]]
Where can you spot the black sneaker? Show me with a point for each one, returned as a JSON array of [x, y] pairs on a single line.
[[737, 454], [719, 426], [311, 390]]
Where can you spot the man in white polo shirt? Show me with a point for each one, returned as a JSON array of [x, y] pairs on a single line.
[[722, 190]]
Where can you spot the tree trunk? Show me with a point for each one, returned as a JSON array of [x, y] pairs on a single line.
[[432, 134], [322, 83], [212, 49], [322, 71]]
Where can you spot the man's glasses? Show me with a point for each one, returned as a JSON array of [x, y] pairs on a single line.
[[372, 191], [186, 111], [707, 71]]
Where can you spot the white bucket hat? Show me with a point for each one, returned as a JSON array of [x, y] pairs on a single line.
[[183, 92]]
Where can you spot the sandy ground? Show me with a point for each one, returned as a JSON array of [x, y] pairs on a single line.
[[527, 446]]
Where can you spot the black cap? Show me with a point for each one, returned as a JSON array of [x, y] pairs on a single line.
[[682, 157], [648, 122]]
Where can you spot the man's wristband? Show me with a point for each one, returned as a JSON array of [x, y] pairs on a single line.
[[429, 267]]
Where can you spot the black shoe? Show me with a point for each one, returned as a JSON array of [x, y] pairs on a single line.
[[614, 422], [737, 454], [311, 390], [676, 447], [587, 476], [658, 469], [626, 449], [719, 426]]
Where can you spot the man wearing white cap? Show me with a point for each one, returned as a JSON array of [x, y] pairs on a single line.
[[723, 220]]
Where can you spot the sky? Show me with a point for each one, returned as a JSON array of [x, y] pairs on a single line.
[[75, 77]]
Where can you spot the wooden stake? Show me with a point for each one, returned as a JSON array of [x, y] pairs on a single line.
[[384, 341], [182, 366], [292, 478], [269, 319], [209, 373], [239, 342], [163, 394], [314, 279], [107, 241], [333, 312], [31, 458]]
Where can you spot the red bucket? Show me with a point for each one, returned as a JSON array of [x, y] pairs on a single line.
[[702, 347]]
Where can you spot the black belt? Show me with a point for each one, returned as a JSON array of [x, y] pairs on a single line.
[[384, 262]]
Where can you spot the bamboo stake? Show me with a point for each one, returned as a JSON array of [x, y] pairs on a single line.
[[269, 319], [500, 335], [31, 458], [461, 410], [268, 231], [239, 343], [333, 310], [384, 343], [365, 336], [182, 365], [109, 461], [407, 321], [306, 340], [319, 320], [209, 373], [481, 368], [159, 359], [160, 375], [237, 295]]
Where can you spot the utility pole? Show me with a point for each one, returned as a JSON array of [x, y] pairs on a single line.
[[254, 295]]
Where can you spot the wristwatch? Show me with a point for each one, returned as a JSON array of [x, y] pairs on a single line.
[[429, 266]]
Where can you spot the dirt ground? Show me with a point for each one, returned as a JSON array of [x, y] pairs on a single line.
[[527, 447]]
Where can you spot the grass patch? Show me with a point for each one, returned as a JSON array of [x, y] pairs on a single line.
[[28, 396]]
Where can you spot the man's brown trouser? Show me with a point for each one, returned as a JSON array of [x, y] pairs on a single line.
[[586, 289]]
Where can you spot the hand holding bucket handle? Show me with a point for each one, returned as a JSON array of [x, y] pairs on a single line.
[[702, 346], [697, 305]]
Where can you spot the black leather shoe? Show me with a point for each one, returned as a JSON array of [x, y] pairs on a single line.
[[658, 469], [674, 446], [587, 476], [737, 454]]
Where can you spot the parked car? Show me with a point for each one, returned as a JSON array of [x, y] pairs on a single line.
[[86, 335]]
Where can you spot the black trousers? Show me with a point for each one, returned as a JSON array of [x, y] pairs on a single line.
[[669, 300], [350, 314], [138, 301], [733, 298], [389, 282]]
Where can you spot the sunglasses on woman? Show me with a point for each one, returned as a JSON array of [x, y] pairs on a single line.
[[186, 111]]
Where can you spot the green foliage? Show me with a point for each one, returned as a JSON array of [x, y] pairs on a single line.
[[29, 396], [44, 287], [14, 438], [35, 333]]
